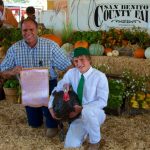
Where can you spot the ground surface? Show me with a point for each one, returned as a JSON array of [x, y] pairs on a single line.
[[120, 132]]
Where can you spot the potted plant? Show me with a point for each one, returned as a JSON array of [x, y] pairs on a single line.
[[115, 99], [136, 94], [11, 87]]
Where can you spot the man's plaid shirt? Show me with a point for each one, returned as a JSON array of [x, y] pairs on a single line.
[[46, 53]]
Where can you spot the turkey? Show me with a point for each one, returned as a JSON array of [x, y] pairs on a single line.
[[63, 104]]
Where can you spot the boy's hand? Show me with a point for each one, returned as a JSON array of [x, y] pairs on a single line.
[[53, 114], [78, 109]]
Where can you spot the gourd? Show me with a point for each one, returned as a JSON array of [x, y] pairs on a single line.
[[147, 53], [115, 53], [139, 53], [106, 50], [109, 54], [84, 44], [68, 47], [96, 49], [53, 38]]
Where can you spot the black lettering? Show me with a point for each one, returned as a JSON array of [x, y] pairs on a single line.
[[107, 15], [117, 13], [116, 6], [140, 15], [96, 16], [146, 16], [128, 12]]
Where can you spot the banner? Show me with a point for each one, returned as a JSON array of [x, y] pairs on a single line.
[[95, 15], [98, 14], [35, 87]]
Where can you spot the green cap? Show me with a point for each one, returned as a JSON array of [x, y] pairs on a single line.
[[81, 51]]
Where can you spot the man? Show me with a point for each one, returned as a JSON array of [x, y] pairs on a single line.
[[7, 19], [34, 51], [30, 11]]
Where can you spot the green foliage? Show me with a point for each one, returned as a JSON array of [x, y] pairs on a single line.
[[137, 35], [42, 31], [89, 36], [11, 83], [133, 83], [103, 67], [116, 89], [9, 36]]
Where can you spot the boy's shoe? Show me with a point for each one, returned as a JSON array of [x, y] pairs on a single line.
[[102, 143], [93, 146], [51, 132], [96, 146]]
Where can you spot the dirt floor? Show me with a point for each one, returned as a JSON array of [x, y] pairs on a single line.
[[120, 132]]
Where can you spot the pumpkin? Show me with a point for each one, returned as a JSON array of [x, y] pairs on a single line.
[[109, 54], [145, 105], [135, 104], [96, 49], [139, 53], [147, 52], [115, 53], [53, 38], [106, 50], [84, 44], [68, 47]]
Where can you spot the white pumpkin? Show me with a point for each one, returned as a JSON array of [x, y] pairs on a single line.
[[147, 53], [115, 53], [109, 54]]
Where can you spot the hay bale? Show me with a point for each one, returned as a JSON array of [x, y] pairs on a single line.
[[119, 64]]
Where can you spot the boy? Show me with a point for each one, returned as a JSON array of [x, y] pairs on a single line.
[[93, 99]]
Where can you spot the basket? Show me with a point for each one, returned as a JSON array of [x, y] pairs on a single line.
[[11, 94]]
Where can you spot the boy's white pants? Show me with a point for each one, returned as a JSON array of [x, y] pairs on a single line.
[[88, 124]]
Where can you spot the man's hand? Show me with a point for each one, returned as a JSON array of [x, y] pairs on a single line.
[[16, 70], [78, 109], [12, 72]]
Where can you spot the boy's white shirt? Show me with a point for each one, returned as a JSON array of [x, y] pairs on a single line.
[[95, 90]]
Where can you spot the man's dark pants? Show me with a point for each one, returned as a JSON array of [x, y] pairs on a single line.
[[35, 115]]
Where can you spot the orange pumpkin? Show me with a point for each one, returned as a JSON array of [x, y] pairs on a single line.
[[106, 50], [53, 38], [84, 44], [139, 53]]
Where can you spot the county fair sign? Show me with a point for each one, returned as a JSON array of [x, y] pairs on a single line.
[[93, 15]]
